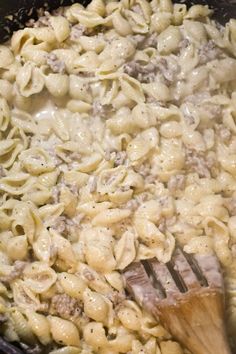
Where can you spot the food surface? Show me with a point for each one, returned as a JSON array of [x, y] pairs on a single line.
[[117, 142]]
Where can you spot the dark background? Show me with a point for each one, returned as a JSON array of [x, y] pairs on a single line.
[[14, 13]]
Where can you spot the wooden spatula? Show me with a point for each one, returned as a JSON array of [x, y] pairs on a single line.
[[187, 295]]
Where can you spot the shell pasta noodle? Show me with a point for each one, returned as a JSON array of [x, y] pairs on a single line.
[[117, 141]]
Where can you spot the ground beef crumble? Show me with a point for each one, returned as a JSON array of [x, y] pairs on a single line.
[[88, 275], [101, 110], [208, 51], [56, 65], [17, 271], [142, 41], [224, 133], [200, 164], [120, 158], [77, 31], [65, 306], [117, 297], [167, 69], [143, 73]]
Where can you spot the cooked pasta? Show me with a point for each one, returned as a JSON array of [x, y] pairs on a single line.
[[117, 141]]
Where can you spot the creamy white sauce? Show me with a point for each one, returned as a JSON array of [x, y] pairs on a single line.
[[42, 108]]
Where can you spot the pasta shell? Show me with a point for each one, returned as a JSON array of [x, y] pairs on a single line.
[[40, 326], [64, 332], [125, 250], [97, 6], [57, 84], [96, 280], [6, 55], [138, 23], [94, 335], [22, 327], [16, 184], [61, 27], [39, 277], [73, 285], [9, 150], [24, 297], [4, 114], [110, 179], [95, 306], [29, 80], [132, 88], [130, 316], [120, 24]]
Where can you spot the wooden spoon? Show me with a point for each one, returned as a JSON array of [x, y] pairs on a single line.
[[187, 296]]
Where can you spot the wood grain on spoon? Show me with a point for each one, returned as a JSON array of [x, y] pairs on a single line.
[[187, 296]]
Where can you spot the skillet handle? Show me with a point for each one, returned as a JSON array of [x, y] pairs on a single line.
[[7, 348]]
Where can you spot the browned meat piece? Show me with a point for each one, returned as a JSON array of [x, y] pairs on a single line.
[[117, 297], [77, 31], [165, 223], [144, 41], [57, 190], [176, 183], [150, 41], [224, 133], [65, 225], [59, 224], [138, 39], [101, 110], [120, 158], [19, 267], [169, 69], [208, 52], [143, 170], [198, 163], [184, 44], [88, 275], [137, 9], [144, 73], [55, 64], [65, 306]]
